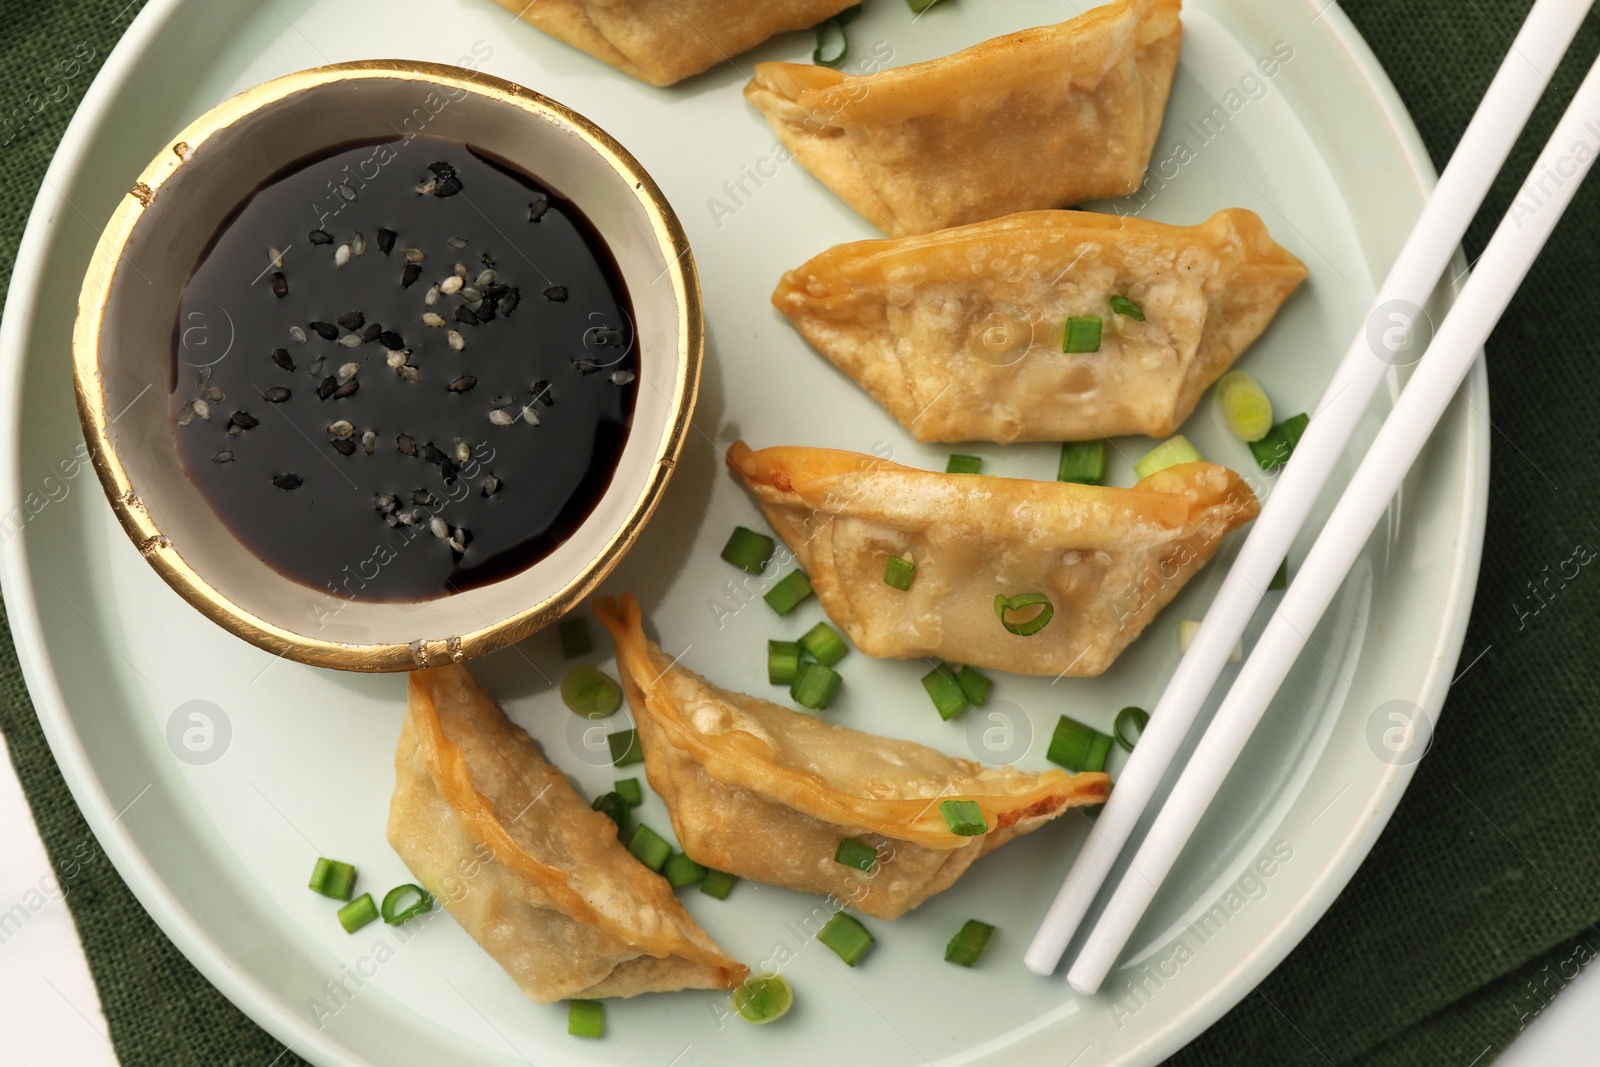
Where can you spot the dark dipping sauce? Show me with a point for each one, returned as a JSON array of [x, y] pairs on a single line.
[[431, 468]]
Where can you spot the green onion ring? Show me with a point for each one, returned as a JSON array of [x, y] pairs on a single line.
[[829, 33], [1138, 718], [392, 899], [1004, 605]]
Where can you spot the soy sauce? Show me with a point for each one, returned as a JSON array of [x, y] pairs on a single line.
[[360, 448]]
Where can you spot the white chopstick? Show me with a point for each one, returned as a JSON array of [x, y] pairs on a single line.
[[1517, 87], [1516, 243]]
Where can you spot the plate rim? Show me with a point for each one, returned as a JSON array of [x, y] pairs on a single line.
[[273, 1014]]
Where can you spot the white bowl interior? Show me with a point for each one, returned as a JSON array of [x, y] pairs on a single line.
[[137, 336]]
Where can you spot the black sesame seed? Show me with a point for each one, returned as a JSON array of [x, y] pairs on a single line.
[[606, 336], [276, 395], [442, 170], [412, 272], [558, 293], [325, 330], [462, 384], [288, 481], [321, 237], [351, 320], [347, 389], [423, 497], [326, 387], [464, 314], [540, 205], [244, 420], [373, 331], [280, 284], [433, 455], [542, 393], [586, 366], [344, 446], [509, 302], [448, 470], [406, 444], [386, 240], [391, 340], [281, 357], [485, 312], [496, 291]]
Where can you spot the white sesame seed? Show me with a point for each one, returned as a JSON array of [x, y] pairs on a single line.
[[530, 416], [202, 409], [358, 244], [432, 298], [501, 417], [341, 255], [351, 340], [450, 285], [298, 334], [457, 243], [471, 295], [348, 371], [427, 187], [457, 342], [413, 255], [342, 428], [456, 544], [186, 414], [463, 450], [622, 377], [431, 319], [461, 271], [277, 258], [410, 373], [486, 278], [369, 441], [440, 528]]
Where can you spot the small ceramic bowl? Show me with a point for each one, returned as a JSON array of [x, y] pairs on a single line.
[[123, 349]]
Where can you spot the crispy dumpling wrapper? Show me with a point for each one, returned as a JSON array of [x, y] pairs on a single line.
[[1048, 117], [525, 866], [1108, 559], [959, 333], [664, 41], [767, 793]]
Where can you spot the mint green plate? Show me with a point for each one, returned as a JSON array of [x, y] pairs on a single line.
[[217, 833]]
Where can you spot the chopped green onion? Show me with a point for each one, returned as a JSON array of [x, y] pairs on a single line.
[[762, 998], [1189, 627], [857, 854], [625, 748], [1280, 580], [1123, 306], [1169, 453], [824, 644], [575, 639], [1130, 719], [944, 689], [964, 818], [748, 549], [1005, 606], [974, 686], [1083, 462], [717, 884], [586, 1018], [333, 879], [649, 847], [681, 870], [783, 661], [1245, 406], [1274, 450], [833, 47], [969, 943], [614, 807], [898, 573], [919, 6], [847, 937], [964, 465], [815, 686], [588, 692], [1083, 335], [358, 913], [791, 589], [628, 789], [1078, 747], [394, 914]]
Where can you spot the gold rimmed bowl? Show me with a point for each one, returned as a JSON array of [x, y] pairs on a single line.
[[124, 350]]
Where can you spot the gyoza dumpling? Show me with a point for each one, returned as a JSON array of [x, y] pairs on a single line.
[[1107, 559], [663, 41], [525, 866], [768, 793], [960, 333], [1048, 117]]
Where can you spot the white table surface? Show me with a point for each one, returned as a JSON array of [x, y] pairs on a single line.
[[45, 983]]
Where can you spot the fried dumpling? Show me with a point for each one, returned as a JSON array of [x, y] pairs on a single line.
[[960, 333], [525, 866], [1107, 559], [768, 793], [664, 41], [1048, 117]]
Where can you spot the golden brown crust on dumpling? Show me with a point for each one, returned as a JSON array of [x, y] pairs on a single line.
[[958, 333], [527, 868], [768, 793], [664, 41], [1048, 117], [1109, 559]]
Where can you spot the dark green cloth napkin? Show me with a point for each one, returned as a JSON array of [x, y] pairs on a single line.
[[1478, 902]]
